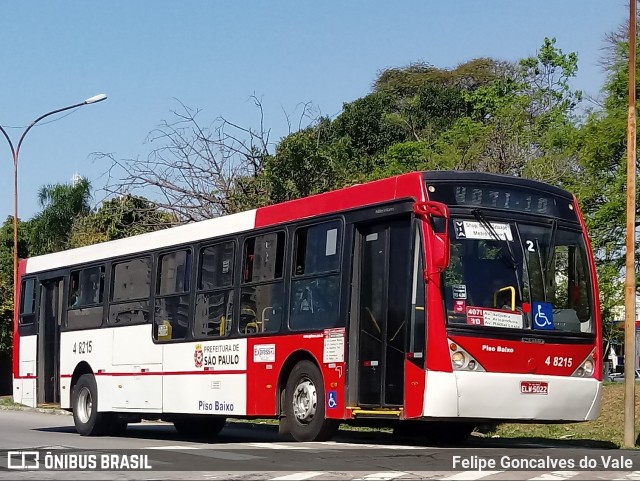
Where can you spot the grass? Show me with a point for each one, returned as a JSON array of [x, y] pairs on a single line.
[[7, 401], [607, 428]]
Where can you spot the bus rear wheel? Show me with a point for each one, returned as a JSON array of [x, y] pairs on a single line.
[[88, 421], [304, 404]]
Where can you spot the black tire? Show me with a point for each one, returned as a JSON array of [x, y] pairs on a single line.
[[304, 404], [117, 425], [84, 401], [200, 426]]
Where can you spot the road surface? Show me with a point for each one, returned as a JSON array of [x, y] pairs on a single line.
[[246, 451]]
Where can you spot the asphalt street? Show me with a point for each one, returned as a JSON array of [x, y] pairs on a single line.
[[251, 451]]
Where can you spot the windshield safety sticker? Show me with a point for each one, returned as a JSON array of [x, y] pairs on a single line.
[[468, 229], [481, 316], [543, 315], [459, 306], [459, 291]]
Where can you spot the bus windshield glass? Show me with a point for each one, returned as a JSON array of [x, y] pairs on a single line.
[[515, 275]]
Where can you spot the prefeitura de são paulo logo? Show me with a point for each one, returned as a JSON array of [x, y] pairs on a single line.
[[197, 355]]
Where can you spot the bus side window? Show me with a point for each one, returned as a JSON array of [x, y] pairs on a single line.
[[130, 291], [86, 294], [171, 310], [214, 300], [262, 296], [28, 302], [315, 286]]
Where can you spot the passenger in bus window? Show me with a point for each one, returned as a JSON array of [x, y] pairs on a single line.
[[73, 289]]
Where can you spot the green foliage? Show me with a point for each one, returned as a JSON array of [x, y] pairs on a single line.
[[118, 218], [600, 184], [61, 205], [6, 277]]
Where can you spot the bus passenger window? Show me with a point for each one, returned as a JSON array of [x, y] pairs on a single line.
[[171, 313], [28, 302], [261, 302], [261, 308], [86, 293], [131, 288], [86, 287], [214, 301], [315, 287]]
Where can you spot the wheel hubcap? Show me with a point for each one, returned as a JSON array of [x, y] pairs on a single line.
[[85, 405], [305, 401]]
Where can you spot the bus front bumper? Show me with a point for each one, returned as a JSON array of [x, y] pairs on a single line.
[[518, 397]]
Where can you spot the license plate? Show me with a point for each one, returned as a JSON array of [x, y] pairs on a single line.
[[534, 387]]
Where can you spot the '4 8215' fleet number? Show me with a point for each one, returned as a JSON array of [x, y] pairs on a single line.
[[559, 361], [82, 347]]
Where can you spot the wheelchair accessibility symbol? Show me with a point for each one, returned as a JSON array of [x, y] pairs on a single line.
[[543, 315], [332, 399]]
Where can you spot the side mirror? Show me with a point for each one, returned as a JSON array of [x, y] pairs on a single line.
[[440, 248]]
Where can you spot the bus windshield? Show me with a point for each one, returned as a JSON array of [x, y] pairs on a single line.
[[516, 275]]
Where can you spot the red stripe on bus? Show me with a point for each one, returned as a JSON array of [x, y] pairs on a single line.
[[157, 373], [26, 376]]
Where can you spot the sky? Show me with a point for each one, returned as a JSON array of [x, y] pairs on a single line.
[[147, 56]]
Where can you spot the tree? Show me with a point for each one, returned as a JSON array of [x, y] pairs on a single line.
[[600, 183], [6, 277], [197, 172], [118, 218], [61, 205]]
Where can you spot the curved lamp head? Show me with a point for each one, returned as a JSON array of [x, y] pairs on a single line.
[[95, 98]]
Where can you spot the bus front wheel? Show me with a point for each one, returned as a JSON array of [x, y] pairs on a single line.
[[304, 404], [88, 421]]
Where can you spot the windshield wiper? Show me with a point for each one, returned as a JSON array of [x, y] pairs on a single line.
[[552, 247], [477, 213]]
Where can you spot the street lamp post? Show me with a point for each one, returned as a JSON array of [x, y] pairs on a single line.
[[16, 152]]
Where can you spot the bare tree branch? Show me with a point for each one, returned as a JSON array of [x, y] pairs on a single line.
[[196, 171]]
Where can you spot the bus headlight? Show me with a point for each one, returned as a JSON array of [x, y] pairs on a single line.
[[587, 368], [461, 360], [457, 359]]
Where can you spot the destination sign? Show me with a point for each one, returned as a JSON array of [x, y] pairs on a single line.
[[493, 196]]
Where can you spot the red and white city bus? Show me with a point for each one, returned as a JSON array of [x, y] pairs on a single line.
[[449, 298]]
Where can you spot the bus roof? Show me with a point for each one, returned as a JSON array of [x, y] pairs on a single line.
[[370, 193], [408, 185]]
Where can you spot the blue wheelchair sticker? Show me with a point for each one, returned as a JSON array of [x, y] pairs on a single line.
[[332, 399], [543, 315]]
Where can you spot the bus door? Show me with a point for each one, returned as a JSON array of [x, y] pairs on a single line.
[[48, 360], [382, 286]]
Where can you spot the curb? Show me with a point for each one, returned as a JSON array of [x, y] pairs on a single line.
[[60, 412]]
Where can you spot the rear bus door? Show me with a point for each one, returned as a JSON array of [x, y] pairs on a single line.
[[48, 387]]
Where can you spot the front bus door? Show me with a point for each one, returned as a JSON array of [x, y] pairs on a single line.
[[383, 267], [49, 341]]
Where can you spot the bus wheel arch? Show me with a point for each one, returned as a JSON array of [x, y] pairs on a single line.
[[304, 407], [288, 365], [84, 404], [82, 368]]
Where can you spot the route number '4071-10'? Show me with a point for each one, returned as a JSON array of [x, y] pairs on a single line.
[[82, 347], [559, 361]]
